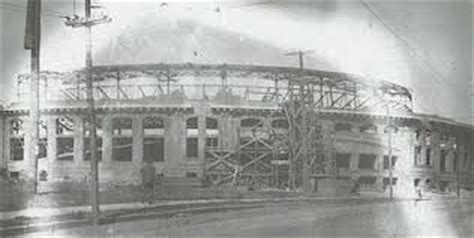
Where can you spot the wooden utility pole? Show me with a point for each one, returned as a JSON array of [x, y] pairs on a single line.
[[299, 134], [88, 22], [32, 42], [92, 118]]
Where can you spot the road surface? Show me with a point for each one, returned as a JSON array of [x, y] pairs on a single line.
[[441, 218]]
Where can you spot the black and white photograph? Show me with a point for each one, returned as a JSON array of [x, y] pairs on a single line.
[[236, 118]]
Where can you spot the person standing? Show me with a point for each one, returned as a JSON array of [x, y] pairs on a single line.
[[148, 181]]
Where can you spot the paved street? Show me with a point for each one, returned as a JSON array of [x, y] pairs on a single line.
[[342, 218]]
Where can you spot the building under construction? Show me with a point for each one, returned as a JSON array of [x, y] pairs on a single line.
[[235, 125]]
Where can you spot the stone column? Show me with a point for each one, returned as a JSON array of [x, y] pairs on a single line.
[[107, 140], [3, 135], [6, 151], [354, 165], [137, 134], [78, 142], [228, 133], [201, 138], [175, 144], [51, 146]]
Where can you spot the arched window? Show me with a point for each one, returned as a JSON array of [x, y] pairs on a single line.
[[153, 126], [65, 138], [343, 127], [122, 141], [122, 126], [211, 123], [212, 132], [192, 123], [153, 139], [280, 123], [65, 126], [368, 128], [17, 141], [251, 122]]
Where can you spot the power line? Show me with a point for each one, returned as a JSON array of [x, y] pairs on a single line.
[[16, 8], [26, 7], [405, 43]]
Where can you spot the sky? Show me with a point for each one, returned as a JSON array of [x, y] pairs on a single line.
[[425, 46]]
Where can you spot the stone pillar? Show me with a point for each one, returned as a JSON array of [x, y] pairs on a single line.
[[51, 146], [107, 140], [137, 134], [354, 165], [228, 132], [3, 135], [78, 142], [29, 150], [201, 138], [175, 145]]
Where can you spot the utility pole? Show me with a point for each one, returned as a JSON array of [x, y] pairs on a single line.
[[32, 42], [92, 119], [88, 22], [304, 132]]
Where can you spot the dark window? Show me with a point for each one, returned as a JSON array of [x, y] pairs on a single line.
[[343, 127], [87, 149], [15, 175], [43, 175], [192, 147], [65, 148], [280, 123], [87, 126], [122, 149], [416, 182], [386, 181], [428, 156], [43, 148], [367, 161], [251, 122], [386, 161], [153, 149], [211, 123], [122, 126], [417, 158], [192, 123], [442, 161], [368, 128], [16, 148], [367, 180], [151, 125], [212, 142], [191, 175], [343, 160], [64, 126]]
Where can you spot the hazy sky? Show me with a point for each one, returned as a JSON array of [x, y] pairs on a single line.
[[430, 53]]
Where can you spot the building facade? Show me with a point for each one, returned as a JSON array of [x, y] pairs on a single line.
[[227, 124]]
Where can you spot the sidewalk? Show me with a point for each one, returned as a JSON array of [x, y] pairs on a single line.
[[53, 211], [57, 211]]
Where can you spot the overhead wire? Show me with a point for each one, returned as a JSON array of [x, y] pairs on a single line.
[[440, 79], [23, 8], [438, 76]]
